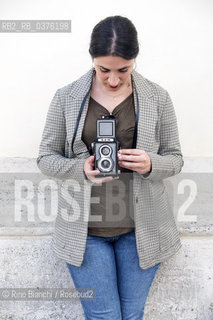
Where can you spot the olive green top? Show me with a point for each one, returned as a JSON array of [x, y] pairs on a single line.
[[111, 207]]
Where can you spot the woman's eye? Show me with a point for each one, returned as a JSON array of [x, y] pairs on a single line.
[[105, 71]]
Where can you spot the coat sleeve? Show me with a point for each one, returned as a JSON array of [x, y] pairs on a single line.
[[51, 159], [168, 161]]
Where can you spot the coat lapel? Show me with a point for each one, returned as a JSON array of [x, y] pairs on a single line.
[[78, 93], [79, 145], [147, 111], [147, 115], [146, 124]]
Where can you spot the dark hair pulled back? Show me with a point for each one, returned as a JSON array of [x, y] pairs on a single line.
[[114, 36]]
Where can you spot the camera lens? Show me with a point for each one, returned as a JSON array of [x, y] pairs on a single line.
[[105, 151], [105, 164]]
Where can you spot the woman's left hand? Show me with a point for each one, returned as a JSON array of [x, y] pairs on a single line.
[[134, 159]]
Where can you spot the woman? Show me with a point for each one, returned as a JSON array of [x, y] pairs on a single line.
[[117, 257]]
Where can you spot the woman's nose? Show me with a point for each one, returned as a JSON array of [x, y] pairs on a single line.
[[113, 80]]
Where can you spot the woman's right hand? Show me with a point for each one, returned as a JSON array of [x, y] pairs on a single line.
[[91, 173]]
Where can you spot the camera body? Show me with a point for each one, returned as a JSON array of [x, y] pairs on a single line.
[[105, 147]]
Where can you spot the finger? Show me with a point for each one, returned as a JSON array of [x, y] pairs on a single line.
[[130, 157], [131, 151], [106, 179], [134, 166], [89, 165], [129, 165], [91, 159], [93, 173]]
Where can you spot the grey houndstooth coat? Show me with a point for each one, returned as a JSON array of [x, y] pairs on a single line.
[[157, 237]]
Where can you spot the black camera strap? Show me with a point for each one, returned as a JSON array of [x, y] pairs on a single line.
[[80, 113], [136, 123]]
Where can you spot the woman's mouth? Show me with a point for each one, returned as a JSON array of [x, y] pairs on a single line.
[[113, 87]]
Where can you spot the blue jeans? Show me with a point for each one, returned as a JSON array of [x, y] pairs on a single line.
[[111, 266]]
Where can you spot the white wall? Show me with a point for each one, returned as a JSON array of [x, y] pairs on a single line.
[[176, 52]]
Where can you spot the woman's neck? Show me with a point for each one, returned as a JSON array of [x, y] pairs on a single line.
[[101, 90]]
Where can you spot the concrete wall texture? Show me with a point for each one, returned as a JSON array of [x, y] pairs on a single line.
[[182, 288]]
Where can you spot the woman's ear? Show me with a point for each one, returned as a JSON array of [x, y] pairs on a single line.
[[93, 67]]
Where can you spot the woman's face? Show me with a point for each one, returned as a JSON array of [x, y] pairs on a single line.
[[113, 73]]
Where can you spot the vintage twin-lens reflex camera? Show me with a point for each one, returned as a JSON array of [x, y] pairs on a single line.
[[105, 147]]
